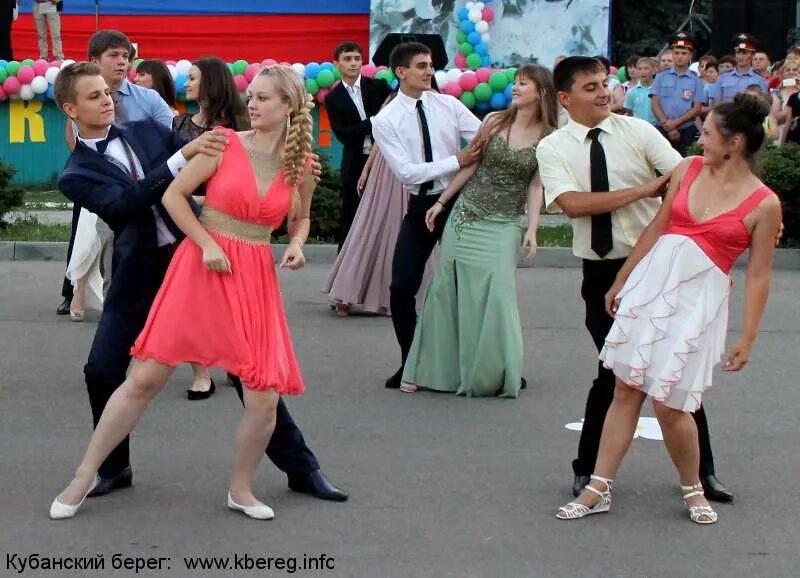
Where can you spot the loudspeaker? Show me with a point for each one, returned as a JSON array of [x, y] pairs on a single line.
[[768, 20]]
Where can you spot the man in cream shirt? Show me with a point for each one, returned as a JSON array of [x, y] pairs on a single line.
[[602, 170]]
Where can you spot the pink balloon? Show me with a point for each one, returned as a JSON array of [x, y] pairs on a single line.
[[468, 80], [488, 14], [460, 60], [3, 95], [26, 74], [251, 71], [323, 92], [11, 85], [483, 74], [284, 63], [613, 70], [369, 70], [381, 67], [40, 67], [268, 62], [172, 62], [453, 89], [132, 74], [241, 82]]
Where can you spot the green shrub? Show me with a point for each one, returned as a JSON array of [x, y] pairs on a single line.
[[10, 196]]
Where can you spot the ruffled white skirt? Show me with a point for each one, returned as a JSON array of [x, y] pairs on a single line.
[[85, 259], [669, 330]]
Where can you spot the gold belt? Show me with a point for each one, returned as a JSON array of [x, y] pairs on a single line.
[[224, 224]]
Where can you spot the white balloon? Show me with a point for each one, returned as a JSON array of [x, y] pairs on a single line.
[[441, 78], [482, 26], [486, 38], [452, 76], [183, 66], [470, 5], [172, 71], [66, 63], [26, 92], [479, 5], [299, 68], [39, 85], [475, 15], [51, 74]]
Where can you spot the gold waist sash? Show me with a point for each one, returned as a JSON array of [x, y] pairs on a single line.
[[224, 224]]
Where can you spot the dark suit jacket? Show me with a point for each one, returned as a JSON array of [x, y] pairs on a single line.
[[104, 189], [347, 124]]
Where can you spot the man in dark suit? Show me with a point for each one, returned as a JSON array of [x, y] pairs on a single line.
[[350, 106], [120, 174]]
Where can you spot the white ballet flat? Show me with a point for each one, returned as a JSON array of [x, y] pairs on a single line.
[[61, 511], [406, 387], [703, 515], [576, 510], [259, 512]]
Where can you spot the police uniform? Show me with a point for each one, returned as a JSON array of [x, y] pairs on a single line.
[[677, 94], [732, 83]]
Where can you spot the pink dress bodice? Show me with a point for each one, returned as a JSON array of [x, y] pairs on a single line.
[[724, 237]]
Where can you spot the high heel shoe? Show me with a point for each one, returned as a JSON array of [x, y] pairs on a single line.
[[259, 511], [575, 510], [342, 310], [77, 316], [698, 514], [195, 395], [61, 511]]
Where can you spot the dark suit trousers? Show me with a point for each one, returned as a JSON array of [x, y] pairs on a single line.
[[689, 136], [598, 277], [109, 359], [287, 448], [414, 245], [350, 197], [66, 286]]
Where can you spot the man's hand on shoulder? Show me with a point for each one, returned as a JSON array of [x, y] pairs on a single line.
[[468, 156], [210, 143], [656, 188]]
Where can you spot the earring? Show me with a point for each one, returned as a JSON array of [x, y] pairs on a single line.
[[727, 156], [286, 134]]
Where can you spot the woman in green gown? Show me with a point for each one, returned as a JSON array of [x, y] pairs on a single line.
[[468, 338]]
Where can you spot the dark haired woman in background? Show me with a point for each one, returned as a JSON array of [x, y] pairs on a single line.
[[670, 300], [155, 74]]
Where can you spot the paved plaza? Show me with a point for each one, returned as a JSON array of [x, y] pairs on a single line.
[[439, 486]]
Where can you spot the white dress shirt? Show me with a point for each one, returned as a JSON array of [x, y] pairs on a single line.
[[398, 134], [634, 151], [116, 150], [355, 94]]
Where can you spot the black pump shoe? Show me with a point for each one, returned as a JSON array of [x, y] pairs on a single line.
[[195, 395]]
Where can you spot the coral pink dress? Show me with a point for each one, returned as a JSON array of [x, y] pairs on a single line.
[[669, 329], [235, 322]]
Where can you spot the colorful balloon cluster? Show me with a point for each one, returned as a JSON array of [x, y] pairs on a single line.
[[29, 78], [473, 35], [482, 90]]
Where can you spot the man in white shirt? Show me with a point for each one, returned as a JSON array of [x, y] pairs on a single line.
[[602, 170], [419, 133], [351, 105]]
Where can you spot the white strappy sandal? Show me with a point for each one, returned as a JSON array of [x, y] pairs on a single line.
[[574, 510], [699, 514]]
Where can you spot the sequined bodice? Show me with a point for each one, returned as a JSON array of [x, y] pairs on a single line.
[[500, 185]]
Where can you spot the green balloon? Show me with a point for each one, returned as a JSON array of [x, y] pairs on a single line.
[[461, 37], [3, 74], [474, 61], [27, 62], [325, 78], [466, 48], [386, 76], [468, 99], [312, 86], [138, 61], [12, 68], [622, 74], [498, 81], [240, 66], [337, 74], [483, 92], [511, 74], [231, 67]]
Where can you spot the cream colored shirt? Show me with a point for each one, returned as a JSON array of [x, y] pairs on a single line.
[[634, 151]]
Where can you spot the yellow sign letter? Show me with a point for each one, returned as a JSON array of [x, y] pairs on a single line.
[[22, 113]]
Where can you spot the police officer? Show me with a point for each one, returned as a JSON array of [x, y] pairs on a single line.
[[737, 80], [677, 96]]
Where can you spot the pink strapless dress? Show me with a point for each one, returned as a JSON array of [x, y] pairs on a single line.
[[235, 322], [669, 330]]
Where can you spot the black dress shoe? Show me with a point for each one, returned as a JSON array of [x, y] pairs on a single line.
[[195, 395], [124, 479], [317, 485], [394, 381], [63, 309], [523, 383], [579, 484], [714, 490]]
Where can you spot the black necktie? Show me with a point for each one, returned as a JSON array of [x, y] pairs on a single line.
[[426, 145], [601, 224]]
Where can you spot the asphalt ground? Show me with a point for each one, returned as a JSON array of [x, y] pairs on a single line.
[[439, 486]]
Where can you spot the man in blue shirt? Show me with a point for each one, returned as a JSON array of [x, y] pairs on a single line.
[[737, 80], [677, 96]]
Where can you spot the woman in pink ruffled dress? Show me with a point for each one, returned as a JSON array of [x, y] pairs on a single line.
[[670, 301]]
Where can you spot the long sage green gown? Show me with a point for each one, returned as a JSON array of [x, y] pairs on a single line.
[[468, 338]]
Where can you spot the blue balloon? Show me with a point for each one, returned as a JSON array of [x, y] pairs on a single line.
[[312, 69], [180, 84], [486, 60], [394, 84], [507, 91], [481, 49], [50, 92], [467, 26], [3, 63], [474, 37], [42, 96], [482, 106], [463, 13], [326, 66], [498, 101]]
